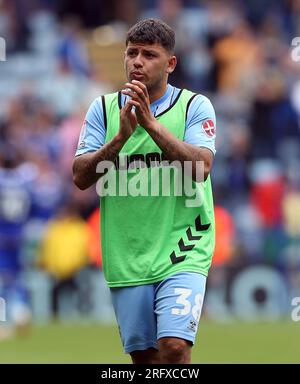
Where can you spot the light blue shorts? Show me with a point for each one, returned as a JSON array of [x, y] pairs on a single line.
[[170, 308]]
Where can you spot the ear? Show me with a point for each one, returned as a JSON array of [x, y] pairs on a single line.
[[171, 64]]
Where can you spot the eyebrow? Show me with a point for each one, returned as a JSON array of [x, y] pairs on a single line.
[[144, 50], [150, 51]]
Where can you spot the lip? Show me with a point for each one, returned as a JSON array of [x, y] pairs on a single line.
[[137, 75]]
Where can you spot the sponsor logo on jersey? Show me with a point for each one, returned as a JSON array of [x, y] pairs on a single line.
[[209, 128], [192, 325], [82, 135]]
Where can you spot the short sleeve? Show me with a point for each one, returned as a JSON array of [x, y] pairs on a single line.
[[93, 131], [201, 123]]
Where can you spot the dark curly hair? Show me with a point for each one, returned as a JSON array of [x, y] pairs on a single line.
[[151, 31]]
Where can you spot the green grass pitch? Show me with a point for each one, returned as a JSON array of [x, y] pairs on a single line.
[[216, 343]]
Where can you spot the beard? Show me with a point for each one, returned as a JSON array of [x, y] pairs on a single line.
[[155, 84]]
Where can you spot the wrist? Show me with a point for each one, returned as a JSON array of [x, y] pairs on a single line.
[[153, 126], [121, 138]]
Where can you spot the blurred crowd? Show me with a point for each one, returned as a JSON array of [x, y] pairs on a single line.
[[238, 53]]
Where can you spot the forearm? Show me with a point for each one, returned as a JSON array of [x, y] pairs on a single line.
[[175, 149], [85, 166]]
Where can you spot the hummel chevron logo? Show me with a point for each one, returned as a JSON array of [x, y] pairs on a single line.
[[199, 226], [190, 236], [188, 247], [176, 259], [184, 247]]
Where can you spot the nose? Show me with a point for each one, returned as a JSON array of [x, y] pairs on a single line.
[[138, 61]]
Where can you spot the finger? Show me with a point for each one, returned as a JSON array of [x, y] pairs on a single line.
[[134, 103], [133, 95], [141, 86], [134, 91], [127, 107], [128, 92]]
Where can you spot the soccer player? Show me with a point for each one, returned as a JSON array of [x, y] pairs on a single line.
[[15, 206], [156, 250]]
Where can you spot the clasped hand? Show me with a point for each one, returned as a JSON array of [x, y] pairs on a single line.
[[140, 100]]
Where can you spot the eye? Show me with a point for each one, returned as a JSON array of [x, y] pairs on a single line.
[[131, 53]]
